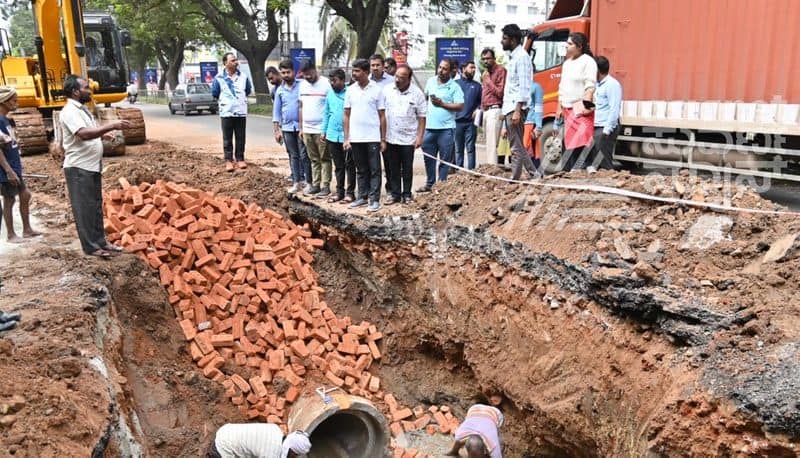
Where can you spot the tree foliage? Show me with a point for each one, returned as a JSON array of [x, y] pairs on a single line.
[[21, 32], [368, 17], [249, 26], [161, 30]]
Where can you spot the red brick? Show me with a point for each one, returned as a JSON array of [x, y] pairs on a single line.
[[189, 329], [396, 428], [373, 349], [422, 421], [444, 425], [292, 394], [209, 258], [194, 350], [276, 360], [258, 386], [222, 340], [299, 348], [240, 383], [401, 414], [334, 379], [374, 384]]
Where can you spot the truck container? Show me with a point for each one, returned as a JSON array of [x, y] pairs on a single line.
[[708, 85]]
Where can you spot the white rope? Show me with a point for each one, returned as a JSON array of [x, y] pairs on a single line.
[[619, 192]]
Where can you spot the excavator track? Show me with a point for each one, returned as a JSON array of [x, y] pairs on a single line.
[[31, 131], [134, 135]]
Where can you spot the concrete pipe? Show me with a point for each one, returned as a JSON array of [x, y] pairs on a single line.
[[340, 426]]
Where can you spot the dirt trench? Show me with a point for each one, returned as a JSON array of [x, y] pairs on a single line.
[[584, 360]]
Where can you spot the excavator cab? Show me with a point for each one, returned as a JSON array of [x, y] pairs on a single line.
[[105, 55], [68, 41]]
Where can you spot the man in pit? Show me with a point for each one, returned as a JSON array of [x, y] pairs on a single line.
[[479, 433], [257, 440]]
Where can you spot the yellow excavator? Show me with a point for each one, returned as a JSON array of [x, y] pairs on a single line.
[[69, 41]]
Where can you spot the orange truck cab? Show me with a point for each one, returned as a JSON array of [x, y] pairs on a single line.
[[694, 95]]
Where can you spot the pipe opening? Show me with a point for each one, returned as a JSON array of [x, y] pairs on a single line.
[[346, 434]]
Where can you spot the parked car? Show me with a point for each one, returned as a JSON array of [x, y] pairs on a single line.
[[192, 97]]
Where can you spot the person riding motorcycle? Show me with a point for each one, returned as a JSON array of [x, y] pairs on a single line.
[[133, 92]]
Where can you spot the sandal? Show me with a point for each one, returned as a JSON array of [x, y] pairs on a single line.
[[114, 248], [101, 253], [347, 200], [333, 199], [241, 165], [229, 166]]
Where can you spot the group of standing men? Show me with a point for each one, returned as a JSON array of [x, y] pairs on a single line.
[[331, 129], [353, 132]]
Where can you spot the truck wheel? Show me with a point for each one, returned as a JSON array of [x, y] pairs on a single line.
[[551, 142]]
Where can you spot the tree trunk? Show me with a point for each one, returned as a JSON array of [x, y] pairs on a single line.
[[175, 64], [255, 49], [367, 21], [257, 61], [367, 42], [162, 80]]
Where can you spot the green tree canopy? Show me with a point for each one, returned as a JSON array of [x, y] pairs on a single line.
[[21, 33], [161, 30], [368, 17]]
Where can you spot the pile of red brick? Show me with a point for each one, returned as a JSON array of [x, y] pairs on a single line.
[[241, 284], [240, 280]]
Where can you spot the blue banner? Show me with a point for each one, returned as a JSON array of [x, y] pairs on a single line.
[[299, 55], [150, 76], [459, 49], [208, 71]]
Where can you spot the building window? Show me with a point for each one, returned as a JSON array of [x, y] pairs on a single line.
[[531, 10], [490, 29], [511, 9], [489, 7]]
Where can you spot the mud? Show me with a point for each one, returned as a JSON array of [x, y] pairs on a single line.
[[552, 305]]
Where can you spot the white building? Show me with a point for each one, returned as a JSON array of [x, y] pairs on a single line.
[[484, 26]]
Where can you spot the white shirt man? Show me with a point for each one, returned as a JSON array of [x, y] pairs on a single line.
[[406, 111], [364, 127]]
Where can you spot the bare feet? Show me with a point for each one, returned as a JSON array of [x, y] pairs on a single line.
[[31, 233], [241, 165], [14, 238], [229, 166]]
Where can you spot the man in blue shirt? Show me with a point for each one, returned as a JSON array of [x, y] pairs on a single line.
[[11, 183], [333, 135], [231, 88], [286, 126], [466, 130], [608, 105], [445, 99]]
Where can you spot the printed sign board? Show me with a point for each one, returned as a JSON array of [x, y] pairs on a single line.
[[208, 70], [299, 55], [458, 49]]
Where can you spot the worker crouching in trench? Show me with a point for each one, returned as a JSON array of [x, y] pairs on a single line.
[[257, 440]]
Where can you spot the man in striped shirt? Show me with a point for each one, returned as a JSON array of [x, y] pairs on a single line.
[[313, 90], [478, 433]]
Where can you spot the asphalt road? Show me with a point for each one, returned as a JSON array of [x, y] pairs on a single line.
[[203, 130]]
